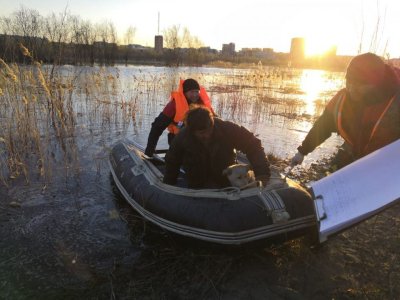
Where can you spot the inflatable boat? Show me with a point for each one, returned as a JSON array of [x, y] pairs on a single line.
[[224, 216]]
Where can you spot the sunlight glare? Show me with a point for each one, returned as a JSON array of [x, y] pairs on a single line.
[[318, 47], [314, 83]]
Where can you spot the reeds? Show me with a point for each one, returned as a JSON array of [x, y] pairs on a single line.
[[46, 111]]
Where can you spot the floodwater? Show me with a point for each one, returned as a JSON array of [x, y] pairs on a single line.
[[71, 236]]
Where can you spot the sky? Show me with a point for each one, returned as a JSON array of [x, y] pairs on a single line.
[[346, 24]]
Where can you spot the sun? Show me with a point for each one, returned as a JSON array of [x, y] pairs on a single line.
[[319, 47]]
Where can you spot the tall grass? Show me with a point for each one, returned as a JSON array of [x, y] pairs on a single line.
[[255, 94], [41, 108], [46, 110]]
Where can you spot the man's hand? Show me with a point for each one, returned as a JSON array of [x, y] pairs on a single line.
[[263, 178], [297, 159], [149, 152]]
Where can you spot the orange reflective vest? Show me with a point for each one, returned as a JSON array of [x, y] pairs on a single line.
[[182, 106], [386, 128]]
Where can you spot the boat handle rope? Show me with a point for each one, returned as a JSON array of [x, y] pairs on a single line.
[[275, 206], [138, 170]]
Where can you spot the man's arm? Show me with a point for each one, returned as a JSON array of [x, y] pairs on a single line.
[[246, 142], [173, 161], [323, 127], [157, 128], [321, 130]]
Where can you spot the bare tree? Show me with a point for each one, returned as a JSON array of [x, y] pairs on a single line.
[[57, 27], [189, 40], [57, 30], [107, 32], [7, 46], [176, 39], [27, 25], [172, 37], [129, 35], [5, 25], [89, 36], [107, 35], [89, 33], [76, 30], [27, 22], [128, 39], [78, 38]]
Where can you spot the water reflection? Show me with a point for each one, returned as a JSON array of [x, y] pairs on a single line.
[[315, 84]]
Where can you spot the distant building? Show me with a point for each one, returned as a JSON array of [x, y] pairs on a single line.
[[136, 46], [27, 41], [331, 52], [261, 53], [228, 49], [158, 43], [208, 50], [268, 53], [104, 44], [297, 50]]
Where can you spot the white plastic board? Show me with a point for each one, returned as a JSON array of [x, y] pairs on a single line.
[[358, 191]]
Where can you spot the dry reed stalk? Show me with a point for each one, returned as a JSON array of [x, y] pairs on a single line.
[[39, 107]]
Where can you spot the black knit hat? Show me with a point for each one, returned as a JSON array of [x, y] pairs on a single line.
[[190, 84]]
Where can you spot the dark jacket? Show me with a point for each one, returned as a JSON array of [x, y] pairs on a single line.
[[359, 121], [157, 128], [203, 166]]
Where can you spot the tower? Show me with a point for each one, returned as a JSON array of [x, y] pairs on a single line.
[[158, 39], [297, 50], [158, 43]]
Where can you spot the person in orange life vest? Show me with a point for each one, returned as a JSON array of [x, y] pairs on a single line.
[[188, 93], [366, 114]]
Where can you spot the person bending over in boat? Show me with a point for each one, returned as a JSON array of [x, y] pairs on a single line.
[[366, 114], [188, 93], [206, 146]]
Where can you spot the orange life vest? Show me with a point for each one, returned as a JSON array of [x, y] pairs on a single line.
[[182, 106], [386, 127]]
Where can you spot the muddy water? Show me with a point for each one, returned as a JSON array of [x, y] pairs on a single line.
[[74, 237]]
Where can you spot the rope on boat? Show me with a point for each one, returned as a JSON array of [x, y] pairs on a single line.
[[275, 206]]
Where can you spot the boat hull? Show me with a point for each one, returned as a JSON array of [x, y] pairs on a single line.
[[226, 216]]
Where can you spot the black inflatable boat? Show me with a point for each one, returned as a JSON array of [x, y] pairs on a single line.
[[224, 216]]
